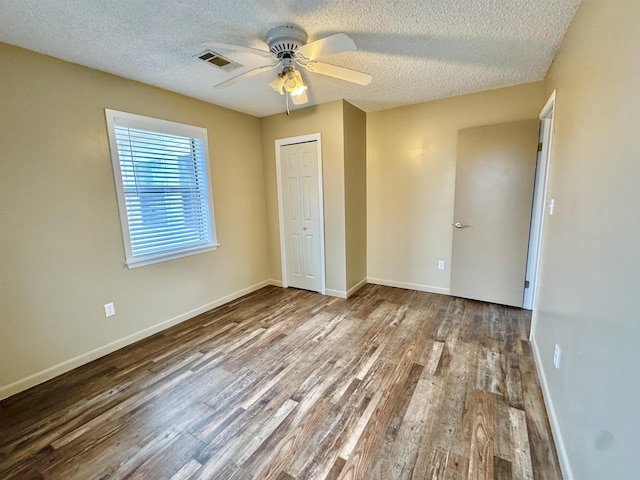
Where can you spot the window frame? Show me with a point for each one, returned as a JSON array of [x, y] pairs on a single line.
[[130, 120]]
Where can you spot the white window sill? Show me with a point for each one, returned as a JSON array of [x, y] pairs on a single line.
[[148, 260]]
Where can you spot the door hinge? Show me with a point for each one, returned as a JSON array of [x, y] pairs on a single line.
[[539, 146], [526, 284]]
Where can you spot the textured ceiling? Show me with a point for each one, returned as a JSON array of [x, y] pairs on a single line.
[[417, 50]]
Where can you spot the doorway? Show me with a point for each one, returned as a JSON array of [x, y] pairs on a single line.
[[300, 211], [539, 200]]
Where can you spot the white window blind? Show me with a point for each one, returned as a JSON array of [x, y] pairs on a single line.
[[161, 172]]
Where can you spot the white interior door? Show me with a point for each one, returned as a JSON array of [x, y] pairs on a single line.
[[301, 215], [495, 172]]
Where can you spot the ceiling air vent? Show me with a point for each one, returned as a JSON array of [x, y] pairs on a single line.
[[218, 60]]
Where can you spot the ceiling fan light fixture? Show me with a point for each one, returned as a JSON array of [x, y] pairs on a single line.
[[301, 98], [298, 91], [288, 47], [278, 84], [293, 81]]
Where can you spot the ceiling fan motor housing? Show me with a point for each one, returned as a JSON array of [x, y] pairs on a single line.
[[284, 40]]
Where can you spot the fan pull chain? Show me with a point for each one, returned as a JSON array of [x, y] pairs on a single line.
[[286, 102]]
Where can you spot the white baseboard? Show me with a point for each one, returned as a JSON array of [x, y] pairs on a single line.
[[55, 370], [335, 293], [328, 291], [561, 448], [408, 286], [356, 287]]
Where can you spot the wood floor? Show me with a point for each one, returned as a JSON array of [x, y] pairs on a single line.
[[286, 384]]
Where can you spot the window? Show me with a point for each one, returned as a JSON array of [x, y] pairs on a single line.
[[161, 171]]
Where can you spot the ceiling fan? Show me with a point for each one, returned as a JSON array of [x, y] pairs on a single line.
[[288, 48]]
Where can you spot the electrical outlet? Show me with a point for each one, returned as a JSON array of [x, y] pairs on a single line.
[[109, 310], [556, 356], [440, 264]]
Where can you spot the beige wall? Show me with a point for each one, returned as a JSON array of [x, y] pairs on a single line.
[[590, 266], [61, 247], [355, 179], [411, 163], [327, 120]]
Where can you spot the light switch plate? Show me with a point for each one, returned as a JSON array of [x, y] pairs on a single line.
[[109, 310]]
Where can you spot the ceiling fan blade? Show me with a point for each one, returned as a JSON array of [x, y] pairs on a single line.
[[342, 73], [300, 99], [239, 48], [340, 42], [245, 75]]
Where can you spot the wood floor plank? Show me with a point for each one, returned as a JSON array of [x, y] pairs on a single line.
[[491, 372], [501, 469], [502, 429], [308, 436], [387, 459], [457, 467], [317, 421], [285, 384], [336, 468], [319, 453], [514, 381], [414, 434], [361, 455], [481, 451], [433, 360], [438, 464], [521, 452]]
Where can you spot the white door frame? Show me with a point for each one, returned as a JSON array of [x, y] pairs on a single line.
[[290, 141], [540, 192]]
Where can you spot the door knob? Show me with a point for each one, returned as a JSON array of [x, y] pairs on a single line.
[[304, 228], [460, 225]]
